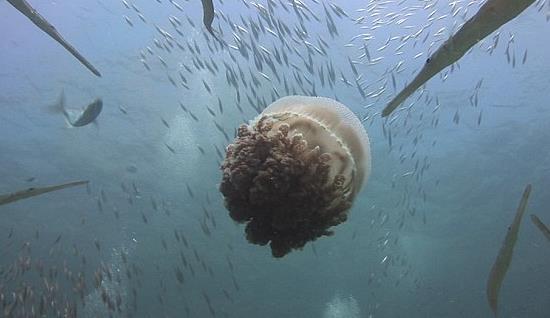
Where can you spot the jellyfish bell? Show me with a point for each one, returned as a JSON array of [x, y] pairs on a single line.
[[294, 171], [332, 127]]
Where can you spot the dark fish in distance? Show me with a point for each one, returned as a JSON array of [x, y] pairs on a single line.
[[491, 16], [31, 192], [504, 257], [38, 20], [541, 226]]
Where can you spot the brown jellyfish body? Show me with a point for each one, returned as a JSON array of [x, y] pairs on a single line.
[[293, 172]]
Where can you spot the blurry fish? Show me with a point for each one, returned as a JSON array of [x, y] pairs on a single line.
[[201, 150], [162, 61], [142, 18], [145, 64], [57, 239], [86, 116], [504, 257], [543, 228], [492, 15], [176, 5], [38, 20], [479, 118], [220, 106], [144, 218], [165, 123], [189, 191], [123, 110], [31, 192], [524, 57], [179, 275], [172, 150], [97, 245], [135, 8], [128, 21]]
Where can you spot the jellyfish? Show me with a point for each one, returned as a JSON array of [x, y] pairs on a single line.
[[294, 171]]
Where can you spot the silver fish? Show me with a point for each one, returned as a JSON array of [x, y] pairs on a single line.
[[49, 29], [88, 114], [31, 192], [492, 15]]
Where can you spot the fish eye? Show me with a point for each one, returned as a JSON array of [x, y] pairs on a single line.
[[428, 60]]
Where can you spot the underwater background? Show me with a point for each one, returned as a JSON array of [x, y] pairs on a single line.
[[150, 233]]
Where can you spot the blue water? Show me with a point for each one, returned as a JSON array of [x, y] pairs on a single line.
[[415, 244]]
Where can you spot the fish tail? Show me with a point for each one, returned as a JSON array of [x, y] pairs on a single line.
[[211, 31], [59, 106]]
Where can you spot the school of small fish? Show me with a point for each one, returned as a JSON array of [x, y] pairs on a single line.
[[259, 51]]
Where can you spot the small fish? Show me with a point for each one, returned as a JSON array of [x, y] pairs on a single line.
[[211, 111], [86, 116], [31, 192], [172, 150], [195, 118], [144, 218], [128, 21], [201, 150], [145, 64], [97, 245], [543, 228], [142, 18], [154, 204], [135, 8], [25, 8], [179, 275], [165, 122], [123, 110], [189, 191], [207, 87], [162, 61], [57, 239], [220, 106], [226, 293], [504, 257], [177, 5]]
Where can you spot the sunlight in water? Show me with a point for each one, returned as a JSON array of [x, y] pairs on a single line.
[[342, 307]]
